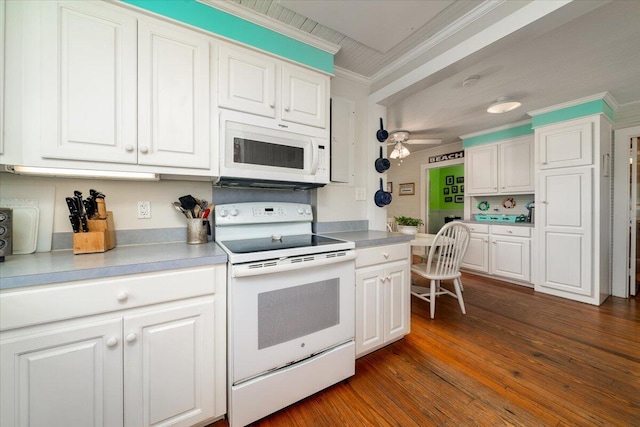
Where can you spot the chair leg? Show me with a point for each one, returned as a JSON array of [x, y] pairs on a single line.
[[457, 285], [432, 297]]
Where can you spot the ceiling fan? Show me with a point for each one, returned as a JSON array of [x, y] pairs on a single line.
[[400, 138]]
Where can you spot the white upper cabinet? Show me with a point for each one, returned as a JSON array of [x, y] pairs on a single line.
[[501, 168], [481, 170], [563, 145], [247, 81], [173, 101], [304, 96], [259, 84], [88, 82], [107, 88]]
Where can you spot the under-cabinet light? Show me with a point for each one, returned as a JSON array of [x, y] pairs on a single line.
[[82, 173]]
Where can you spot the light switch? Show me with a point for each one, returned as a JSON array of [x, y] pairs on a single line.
[[361, 193]]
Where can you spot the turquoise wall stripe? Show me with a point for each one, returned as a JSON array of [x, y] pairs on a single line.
[[216, 21], [498, 135], [598, 106]]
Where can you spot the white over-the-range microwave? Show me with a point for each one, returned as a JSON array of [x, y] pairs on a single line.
[[258, 152]]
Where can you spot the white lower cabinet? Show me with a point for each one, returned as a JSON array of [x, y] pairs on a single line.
[[383, 300], [500, 250], [143, 365]]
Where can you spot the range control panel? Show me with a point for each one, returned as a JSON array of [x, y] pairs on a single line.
[[262, 213]]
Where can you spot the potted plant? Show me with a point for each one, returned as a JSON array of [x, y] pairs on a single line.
[[408, 225]]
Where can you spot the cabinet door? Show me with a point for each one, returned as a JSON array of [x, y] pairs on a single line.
[[564, 225], [246, 81], [174, 96], [169, 366], [477, 256], [481, 170], [397, 310], [66, 377], [370, 286], [305, 96], [516, 166], [510, 257], [88, 82], [565, 144]]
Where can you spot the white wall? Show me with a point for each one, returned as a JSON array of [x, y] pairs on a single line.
[[337, 201], [121, 199]]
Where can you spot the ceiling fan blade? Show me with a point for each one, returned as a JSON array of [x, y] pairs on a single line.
[[423, 141]]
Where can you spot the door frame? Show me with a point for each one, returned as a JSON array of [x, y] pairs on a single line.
[[621, 209], [424, 178]]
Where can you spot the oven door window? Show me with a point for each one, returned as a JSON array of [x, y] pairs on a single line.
[[290, 313]]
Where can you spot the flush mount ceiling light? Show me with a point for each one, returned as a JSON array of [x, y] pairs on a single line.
[[502, 105], [471, 80]]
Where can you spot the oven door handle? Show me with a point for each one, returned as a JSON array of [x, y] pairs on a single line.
[[247, 271]]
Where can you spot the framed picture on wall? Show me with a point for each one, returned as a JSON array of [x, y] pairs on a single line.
[[459, 199], [389, 186], [460, 180], [448, 180], [407, 189], [454, 189], [445, 190], [448, 199]]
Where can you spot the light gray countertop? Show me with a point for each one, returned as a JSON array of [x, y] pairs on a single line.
[[63, 266], [370, 237]]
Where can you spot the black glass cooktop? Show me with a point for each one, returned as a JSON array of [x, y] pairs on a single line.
[[262, 244]]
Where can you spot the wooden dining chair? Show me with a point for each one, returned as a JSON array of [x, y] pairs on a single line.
[[443, 263]]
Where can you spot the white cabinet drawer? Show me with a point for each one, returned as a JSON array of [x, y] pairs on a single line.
[[478, 228], [20, 308], [507, 230], [381, 254]]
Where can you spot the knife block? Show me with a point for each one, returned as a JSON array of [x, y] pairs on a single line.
[[100, 238]]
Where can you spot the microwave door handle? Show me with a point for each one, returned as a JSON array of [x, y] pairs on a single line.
[[315, 156]]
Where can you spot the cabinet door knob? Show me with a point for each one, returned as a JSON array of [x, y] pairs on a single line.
[[122, 296], [144, 150], [131, 337], [272, 105], [385, 254], [544, 163], [287, 109], [128, 148], [112, 342]]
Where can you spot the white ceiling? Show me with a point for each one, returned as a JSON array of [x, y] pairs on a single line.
[[583, 48]]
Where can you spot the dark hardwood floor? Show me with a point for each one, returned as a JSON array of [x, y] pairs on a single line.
[[517, 358]]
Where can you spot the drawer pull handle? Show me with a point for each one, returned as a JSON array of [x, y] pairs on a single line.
[[112, 342], [122, 296], [509, 231], [385, 254], [131, 337]]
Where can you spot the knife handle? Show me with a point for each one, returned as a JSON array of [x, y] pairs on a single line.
[[102, 208], [75, 223], [83, 220]]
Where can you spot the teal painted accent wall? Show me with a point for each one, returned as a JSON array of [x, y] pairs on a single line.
[[437, 184], [486, 138], [599, 106], [216, 21]]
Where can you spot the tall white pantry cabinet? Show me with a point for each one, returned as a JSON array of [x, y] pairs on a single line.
[[573, 209]]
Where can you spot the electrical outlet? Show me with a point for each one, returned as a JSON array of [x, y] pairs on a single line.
[[361, 193], [144, 210]]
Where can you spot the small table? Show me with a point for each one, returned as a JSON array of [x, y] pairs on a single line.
[[425, 241]]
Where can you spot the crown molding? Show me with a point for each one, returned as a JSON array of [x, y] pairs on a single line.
[[486, 7], [350, 75], [496, 129], [606, 96], [272, 24]]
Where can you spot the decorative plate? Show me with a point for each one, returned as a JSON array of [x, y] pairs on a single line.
[[483, 206], [509, 203]]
